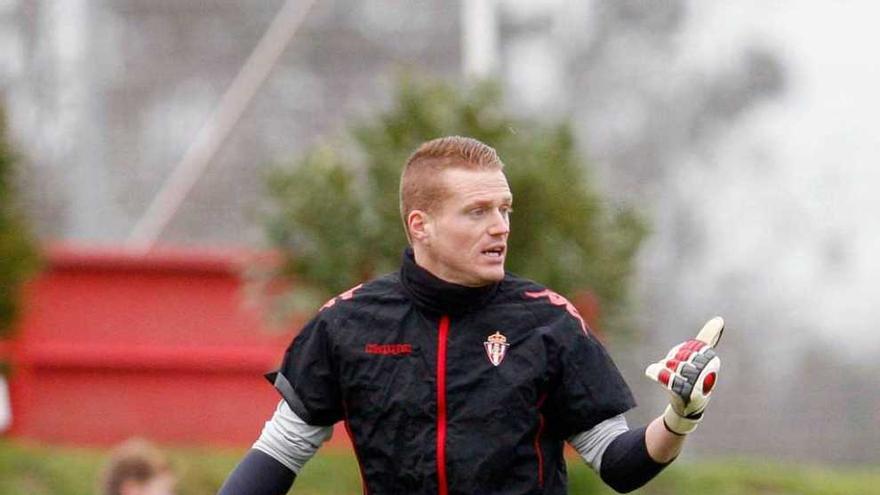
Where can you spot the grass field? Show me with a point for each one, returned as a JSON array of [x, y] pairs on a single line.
[[35, 470]]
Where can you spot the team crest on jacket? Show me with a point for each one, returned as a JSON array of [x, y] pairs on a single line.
[[496, 348]]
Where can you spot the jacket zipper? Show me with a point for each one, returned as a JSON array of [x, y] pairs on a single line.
[[441, 405]]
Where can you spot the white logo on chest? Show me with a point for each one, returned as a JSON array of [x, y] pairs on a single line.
[[496, 347]]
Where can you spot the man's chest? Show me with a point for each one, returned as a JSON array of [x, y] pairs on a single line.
[[492, 361]]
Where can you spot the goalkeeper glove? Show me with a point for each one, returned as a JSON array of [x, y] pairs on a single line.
[[689, 373]]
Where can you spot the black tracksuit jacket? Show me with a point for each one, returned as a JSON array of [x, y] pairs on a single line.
[[406, 361]]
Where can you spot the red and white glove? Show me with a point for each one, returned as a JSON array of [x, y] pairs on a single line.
[[689, 373]]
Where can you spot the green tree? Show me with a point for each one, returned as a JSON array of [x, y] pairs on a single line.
[[18, 257], [334, 213]]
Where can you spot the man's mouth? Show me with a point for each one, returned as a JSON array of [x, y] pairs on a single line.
[[495, 251]]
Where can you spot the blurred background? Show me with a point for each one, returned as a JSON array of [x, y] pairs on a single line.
[[154, 143]]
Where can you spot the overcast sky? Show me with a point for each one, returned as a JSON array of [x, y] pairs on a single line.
[[799, 202]]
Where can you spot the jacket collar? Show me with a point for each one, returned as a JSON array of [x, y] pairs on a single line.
[[432, 294]]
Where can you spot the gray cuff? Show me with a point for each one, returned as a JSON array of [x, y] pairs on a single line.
[[591, 444], [290, 440], [286, 390]]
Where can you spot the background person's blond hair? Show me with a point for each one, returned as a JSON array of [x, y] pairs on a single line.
[[134, 463]]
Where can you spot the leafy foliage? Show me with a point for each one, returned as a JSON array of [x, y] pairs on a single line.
[[18, 257], [334, 214]]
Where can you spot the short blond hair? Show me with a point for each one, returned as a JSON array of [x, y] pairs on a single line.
[[419, 187], [135, 460]]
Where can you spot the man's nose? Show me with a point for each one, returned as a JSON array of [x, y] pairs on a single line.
[[500, 224]]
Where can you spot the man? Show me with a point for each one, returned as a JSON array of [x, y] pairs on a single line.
[[453, 377]]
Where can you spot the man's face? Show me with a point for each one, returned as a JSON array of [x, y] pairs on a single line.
[[465, 238]]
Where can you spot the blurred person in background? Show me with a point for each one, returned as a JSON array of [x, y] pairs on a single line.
[[137, 468], [455, 377]]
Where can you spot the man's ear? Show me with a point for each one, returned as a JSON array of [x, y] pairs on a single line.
[[420, 228]]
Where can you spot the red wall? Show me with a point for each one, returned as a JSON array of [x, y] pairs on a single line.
[[163, 347]]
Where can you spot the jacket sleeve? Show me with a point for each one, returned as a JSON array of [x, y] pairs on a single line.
[[586, 387], [626, 464], [258, 474], [307, 378]]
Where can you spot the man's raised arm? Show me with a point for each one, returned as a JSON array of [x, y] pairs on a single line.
[[627, 459]]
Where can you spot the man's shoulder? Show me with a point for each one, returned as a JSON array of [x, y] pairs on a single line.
[[544, 303], [521, 289], [376, 293]]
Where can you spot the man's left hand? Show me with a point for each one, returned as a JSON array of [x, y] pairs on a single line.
[[689, 373]]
